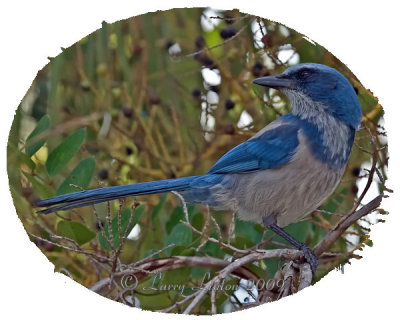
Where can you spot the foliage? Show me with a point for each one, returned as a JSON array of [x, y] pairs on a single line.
[[132, 102]]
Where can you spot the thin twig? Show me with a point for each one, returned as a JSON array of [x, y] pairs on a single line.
[[213, 302], [211, 239], [178, 303], [220, 44], [251, 257], [344, 223], [231, 230], [109, 224], [217, 227], [122, 239], [78, 250]]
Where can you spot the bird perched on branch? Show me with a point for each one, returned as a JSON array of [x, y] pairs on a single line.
[[278, 176]]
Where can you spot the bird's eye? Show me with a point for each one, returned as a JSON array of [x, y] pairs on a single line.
[[303, 74]]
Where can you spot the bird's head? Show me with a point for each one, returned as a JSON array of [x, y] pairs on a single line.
[[310, 84]]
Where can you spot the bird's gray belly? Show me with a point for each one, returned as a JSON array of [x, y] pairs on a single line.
[[286, 194]]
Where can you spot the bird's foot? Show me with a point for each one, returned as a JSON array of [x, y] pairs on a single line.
[[310, 257]]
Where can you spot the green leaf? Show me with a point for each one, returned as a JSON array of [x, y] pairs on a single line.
[[272, 265], [139, 210], [309, 51], [246, 230], [158, 207], [75, 231], [211, 248], [176, 215], [242, 242], [197, 220], [199, 272], [42, 126], [213, 38], [180, 235], [64, 152], [177, 277], [80, 176], [125, 215], [300, 230]]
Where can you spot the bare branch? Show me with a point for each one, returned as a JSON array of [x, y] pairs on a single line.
[[251, 257], [343, 224]]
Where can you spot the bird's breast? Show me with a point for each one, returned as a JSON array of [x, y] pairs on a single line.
[[287, 193]]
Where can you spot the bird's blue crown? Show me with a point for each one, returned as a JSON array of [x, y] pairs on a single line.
[[327, 87]]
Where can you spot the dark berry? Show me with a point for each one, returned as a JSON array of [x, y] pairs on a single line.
[[128, 112], [204, 59], [229, 129], [224, 33], [200, 42], [224, 227], [172, 175], [103, 174], [44, 244], [154, 99], [354, 189], [137, 49], [209, 63], [229, 19], [233, 31], [257, 69], [200, 56], [214, 88], [26, 191], [356, 172], [38, 242], [228, 32], [258, 65], [128, 150], [268, 41], [48, 246], [169, 44], [196, 93], [99, 225], [229, 104]]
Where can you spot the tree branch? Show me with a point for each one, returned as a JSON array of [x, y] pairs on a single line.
[[344, 223]]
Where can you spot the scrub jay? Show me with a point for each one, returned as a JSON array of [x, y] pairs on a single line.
[[278, 176]]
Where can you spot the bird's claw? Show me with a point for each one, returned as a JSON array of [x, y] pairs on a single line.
[[310, 257]]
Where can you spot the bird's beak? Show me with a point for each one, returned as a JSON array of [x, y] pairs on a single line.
[[275, 82]]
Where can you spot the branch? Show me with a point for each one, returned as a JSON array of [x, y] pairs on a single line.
[[143, 270], [344, 223], [231, 267]]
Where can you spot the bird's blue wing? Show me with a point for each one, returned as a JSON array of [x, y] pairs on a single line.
[[269, 150]]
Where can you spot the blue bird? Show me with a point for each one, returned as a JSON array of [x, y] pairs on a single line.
[[277, 177]]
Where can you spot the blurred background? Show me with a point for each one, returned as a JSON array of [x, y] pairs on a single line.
[[159, 96]]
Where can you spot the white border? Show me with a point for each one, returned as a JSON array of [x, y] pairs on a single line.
[[362, 34]]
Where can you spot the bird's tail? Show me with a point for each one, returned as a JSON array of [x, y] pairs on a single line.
[[89, 197]]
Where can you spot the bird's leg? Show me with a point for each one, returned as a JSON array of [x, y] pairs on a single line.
[[309, 255]]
